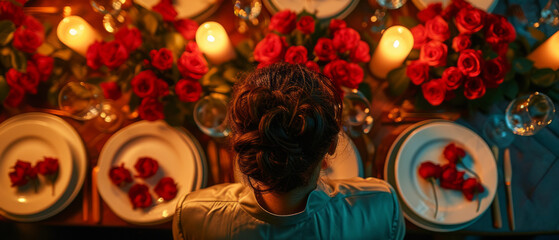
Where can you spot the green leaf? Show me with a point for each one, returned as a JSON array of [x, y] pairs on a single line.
[[398, 82], [151, 23], [408, 21], [19, 61], [134, 102], [414, 54], [522, 65], [79, 70], [4, 88], [7, 29], [510, 89], [45, 49], [537, 34], [544, 77], [365, 89], [64, 54]]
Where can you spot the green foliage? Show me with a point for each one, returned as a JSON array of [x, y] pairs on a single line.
[[4, 88], [398, 81], [7, 29], [544, 77], [408, 21]]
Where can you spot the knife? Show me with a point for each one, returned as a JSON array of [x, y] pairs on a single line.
[[497, 221], [508, 178]]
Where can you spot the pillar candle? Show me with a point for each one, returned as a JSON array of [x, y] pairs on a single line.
[[547, 54], [394, 46], [214, 42], [77, 34]]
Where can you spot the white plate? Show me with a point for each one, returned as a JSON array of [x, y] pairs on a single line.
[[485, 5], [31, 143], [325, 9], [426, 143], [77, 148], [200, 157], [346, 161], [193, 9], [389, 172], [160, 142]]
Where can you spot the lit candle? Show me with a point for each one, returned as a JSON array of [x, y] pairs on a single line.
[[214, 42], [77, 34], [394, 46], [547, 54]]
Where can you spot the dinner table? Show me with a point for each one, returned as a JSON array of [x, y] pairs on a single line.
[[533, 158]]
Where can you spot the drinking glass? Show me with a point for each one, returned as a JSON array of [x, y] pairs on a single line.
[[210, 114], [377, 21], [84, 101], [113, 14], [524, 116], [356, 115], [247, 12]]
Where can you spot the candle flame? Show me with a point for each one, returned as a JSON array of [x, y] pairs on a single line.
[[211, 38], [396, 44]]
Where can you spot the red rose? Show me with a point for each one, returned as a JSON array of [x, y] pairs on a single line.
[[474, 88], [139, 196], [455, 6], [434, 91], [452, 76], [346, 39], [344, 73], [437, 29], [296, 55], [188, 90], [470, 20], [22, 173], [166, 188], [192, 47], [451, 178], [161, 59], [187, 28], [111, 90], [419, 36], [9, 11], [312, 65], [150, 109], [27, 81], [146, 167], [147, 84], [335, 25], [306, 24], [27, 40], [429, 169], [499, 30], [434, 53], [48, 166], [131, 38], [430, 12], [192, 65], [284, 22], [15, 96], [501, 48], [324, 49], [113, 54], [166, 9], [120, 175], [360, 53], [470, 62], [461, 42], [453, 154], [494, 71], [33, 24], [270, 49], [418, 72], [44, 65], [470, 187], [92, 55]]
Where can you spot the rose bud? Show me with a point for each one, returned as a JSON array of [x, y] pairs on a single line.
[[146, 167], [120, 175], [453, 154], [139, 196], [470, 187], [166, 188], [429, 170], [48, 166]]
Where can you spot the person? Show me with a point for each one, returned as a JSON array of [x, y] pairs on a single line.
[[285, 121]]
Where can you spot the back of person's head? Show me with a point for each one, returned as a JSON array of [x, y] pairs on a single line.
[[284, 119]]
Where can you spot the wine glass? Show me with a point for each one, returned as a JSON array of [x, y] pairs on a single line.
[[524, 116], [356, 115], [84, 101], [113, 14], [378, 20], [247, 12], [210, 114]]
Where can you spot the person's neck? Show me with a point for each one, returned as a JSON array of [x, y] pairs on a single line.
[[285, 203]]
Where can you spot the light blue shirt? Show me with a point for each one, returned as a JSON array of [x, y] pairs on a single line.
[[337, 209]]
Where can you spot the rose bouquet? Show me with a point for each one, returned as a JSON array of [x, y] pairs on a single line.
[[331, 48]]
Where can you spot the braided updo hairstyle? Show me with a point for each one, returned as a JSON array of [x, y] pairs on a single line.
[[284, 118]]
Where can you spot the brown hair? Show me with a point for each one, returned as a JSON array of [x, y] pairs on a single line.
[[283, 118]]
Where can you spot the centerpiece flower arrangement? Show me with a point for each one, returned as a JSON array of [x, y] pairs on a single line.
[[328, 47]]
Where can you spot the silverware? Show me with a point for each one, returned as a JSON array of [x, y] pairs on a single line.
[[95, 204], [508, 178], [398, 115], [495, 207]]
